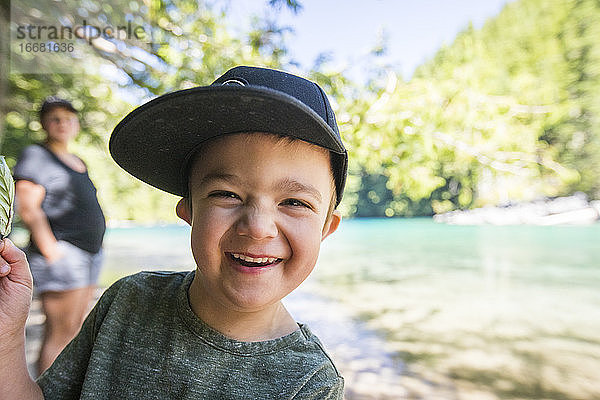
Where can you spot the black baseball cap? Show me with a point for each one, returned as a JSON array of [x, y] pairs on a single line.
[[53, 102], [156, 141]]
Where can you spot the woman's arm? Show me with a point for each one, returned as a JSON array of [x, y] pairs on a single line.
[[29, 206]]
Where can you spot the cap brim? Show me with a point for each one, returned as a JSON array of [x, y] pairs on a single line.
[[155, 141]]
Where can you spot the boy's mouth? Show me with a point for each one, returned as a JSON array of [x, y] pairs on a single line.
[[254, 262]]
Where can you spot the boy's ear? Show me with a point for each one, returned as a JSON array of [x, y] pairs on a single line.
[[332, 224], [183, 211]]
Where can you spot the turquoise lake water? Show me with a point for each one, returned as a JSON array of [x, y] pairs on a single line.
[[493, 311]]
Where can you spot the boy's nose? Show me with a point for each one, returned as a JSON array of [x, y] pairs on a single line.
[[257, 224]]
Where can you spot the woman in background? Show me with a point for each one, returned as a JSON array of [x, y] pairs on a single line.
[[57, 202]]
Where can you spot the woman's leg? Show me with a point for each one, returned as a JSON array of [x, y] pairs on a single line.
[[64, 312]]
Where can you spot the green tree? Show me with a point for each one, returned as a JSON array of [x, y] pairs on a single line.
[[507, 112]]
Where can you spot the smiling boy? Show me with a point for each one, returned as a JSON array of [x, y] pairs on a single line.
[[258, 160], [257, 222]]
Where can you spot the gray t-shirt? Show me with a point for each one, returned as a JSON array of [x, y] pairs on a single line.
[[143, 341], [70, 201]]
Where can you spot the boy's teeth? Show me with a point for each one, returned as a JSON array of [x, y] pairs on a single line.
[[254, 260]]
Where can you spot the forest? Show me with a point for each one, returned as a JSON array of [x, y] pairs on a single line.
[[505, 113]]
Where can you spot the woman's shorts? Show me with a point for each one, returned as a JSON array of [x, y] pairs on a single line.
[[75, 269]]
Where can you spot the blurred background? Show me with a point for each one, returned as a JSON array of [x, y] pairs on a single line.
[[467, 265]]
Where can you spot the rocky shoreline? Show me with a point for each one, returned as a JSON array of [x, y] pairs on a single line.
[[571, 210]]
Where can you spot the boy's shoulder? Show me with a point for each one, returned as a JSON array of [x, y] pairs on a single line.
[[153, 279], [149, 280], [144, 287], [318, 353]]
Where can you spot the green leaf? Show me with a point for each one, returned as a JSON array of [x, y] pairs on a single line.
[[7, 197]]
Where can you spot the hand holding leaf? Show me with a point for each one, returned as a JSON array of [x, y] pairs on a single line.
[[7, 197], [16, 285]]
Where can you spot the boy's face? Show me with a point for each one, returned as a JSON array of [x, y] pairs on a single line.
[[258, 215]]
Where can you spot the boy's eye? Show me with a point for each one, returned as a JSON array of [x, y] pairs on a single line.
[[224, 195], [295, 203]]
